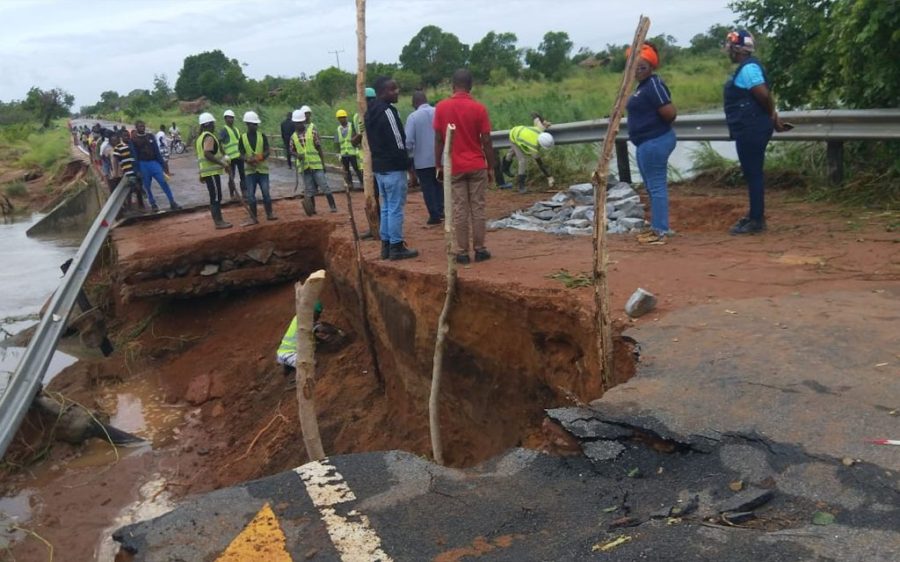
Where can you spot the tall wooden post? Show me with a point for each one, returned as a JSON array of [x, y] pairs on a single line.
[[307, 294], [440, 343], [373, 212], [602, 322]]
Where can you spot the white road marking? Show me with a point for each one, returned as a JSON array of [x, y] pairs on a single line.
[[355, 540]]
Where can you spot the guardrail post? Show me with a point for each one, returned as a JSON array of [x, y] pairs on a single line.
[[622, 160], [834, 156]]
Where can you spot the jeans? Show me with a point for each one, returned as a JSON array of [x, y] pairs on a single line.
[[653, 163], [431, 192], [261, 180], [313, 179], [392, 188], [751, 150], [150, 170]]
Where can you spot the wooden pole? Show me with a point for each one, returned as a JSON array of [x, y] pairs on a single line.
[[361, 293], [440, 344], [373, 211], [602, 322], [307, 295]]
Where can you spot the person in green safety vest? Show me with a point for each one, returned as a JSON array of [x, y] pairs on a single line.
[[527, 141], [254, 149], [358, 121], [287, 350], [343, 142], [307, 148], [212, 162], [229, 136]]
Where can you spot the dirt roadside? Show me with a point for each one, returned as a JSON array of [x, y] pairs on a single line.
[[247, 416]]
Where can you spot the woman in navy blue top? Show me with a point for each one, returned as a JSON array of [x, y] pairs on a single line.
[[751, 117], [650, 116]]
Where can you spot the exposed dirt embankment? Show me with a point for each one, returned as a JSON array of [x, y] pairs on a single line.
[[512, 352]]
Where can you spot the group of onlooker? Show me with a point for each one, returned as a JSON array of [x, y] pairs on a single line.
[[136, 156]]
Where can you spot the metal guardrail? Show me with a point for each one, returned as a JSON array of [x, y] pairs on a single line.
[[816, 125], [25, 381]]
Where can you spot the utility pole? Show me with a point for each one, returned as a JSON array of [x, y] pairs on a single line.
[[337, 57]]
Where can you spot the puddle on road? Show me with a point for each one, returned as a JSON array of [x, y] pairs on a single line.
[[137, 406], [15, 511]]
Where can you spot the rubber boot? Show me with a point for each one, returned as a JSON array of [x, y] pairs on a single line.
[[507, 166], [521, 182], [270, 215], [331, 203], [309, 205], [215, 209], [251, 220], [232, 191], [385, 249], [399, 251]]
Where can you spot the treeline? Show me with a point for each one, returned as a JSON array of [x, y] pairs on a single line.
[[39, 105], [427, 60]]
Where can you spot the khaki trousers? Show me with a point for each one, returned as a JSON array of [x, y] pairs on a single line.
[[468, 207]]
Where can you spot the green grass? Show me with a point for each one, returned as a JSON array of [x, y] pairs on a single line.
[[15, 189], [27, 146]]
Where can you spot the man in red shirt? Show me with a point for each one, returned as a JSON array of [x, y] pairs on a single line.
[[472, 162]]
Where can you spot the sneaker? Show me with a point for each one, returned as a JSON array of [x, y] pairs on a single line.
[[250, 222], [433, 221], [482, 255], [385, 249], [506, 185], [399, 251], [651, 237], [272, 217], [154, 208], [748, 226], [463, 259]]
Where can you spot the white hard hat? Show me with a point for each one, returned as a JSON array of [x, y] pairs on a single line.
[[207, 117], [251, 117], [545, 140], [306, 109], [298, 116], [228, 113]]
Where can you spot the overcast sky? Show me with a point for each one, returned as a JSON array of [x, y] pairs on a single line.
[[89, 46]]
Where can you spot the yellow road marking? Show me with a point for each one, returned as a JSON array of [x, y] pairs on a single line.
[[261, 539]]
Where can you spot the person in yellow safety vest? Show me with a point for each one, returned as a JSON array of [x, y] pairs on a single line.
[[343, 142], [528, 141], [229, 136], [254, 150], [286, 354], [306, 146], [212, 162]]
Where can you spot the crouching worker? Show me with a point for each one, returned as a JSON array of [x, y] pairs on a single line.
[[328, 338], [527, 141]]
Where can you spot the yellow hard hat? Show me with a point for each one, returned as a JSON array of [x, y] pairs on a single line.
[[341, 113]]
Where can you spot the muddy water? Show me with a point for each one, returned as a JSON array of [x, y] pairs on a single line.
[[681, 159]]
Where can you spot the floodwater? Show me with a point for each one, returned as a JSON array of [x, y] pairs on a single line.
[[28, 276], [681, 160]]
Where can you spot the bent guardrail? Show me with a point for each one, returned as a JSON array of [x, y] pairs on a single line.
[[834, 126], [25, 381]]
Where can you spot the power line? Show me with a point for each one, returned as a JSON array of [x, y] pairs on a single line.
[[337, 57]]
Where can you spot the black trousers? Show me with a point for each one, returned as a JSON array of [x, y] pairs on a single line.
[[287, 151], [214, 187], [348, 162]]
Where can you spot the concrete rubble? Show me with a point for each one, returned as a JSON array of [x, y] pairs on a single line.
[[572, 212]]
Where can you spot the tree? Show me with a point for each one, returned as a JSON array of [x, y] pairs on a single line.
[[551, 58], [333, 83], [495, 51], [210, 74], [434, 55], [711, 41], [47, 105], [162, 92]]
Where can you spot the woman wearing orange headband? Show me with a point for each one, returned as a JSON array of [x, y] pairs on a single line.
[[650, 116]]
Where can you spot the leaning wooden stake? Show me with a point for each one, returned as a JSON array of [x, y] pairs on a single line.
[[307, 295], [434, 421], [361, 293], [602, 322], [373, 212]]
